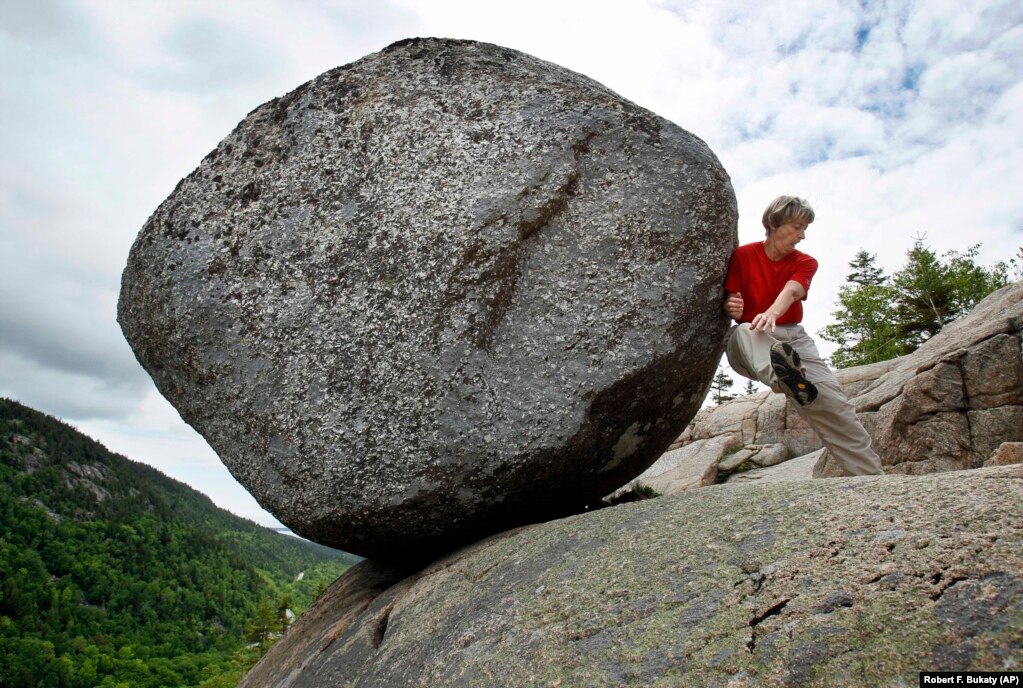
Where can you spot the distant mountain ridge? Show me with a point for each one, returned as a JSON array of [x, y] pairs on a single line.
[[112, 573]]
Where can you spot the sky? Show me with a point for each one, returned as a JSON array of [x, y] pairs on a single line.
[[894, 119]]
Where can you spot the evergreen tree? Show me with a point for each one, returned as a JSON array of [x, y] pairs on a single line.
[[880, 318], [932, 293], [283, 609], [864, 326], [720, 387], [263, 627], [865, 271], [750, 388]]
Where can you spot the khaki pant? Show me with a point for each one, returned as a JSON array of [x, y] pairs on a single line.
[[830, 415]]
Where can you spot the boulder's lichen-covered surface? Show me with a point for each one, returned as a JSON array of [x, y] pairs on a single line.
[[434, 293], [846, 582]]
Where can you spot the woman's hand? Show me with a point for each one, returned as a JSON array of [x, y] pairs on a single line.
[[768, 320], [764, 322], [734, 306]]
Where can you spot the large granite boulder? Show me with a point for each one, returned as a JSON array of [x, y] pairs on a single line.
[[440, 291], [849, 582]]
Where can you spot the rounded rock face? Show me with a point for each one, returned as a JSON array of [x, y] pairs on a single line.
[[438, 292]]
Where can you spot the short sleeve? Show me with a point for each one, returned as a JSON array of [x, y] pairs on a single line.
[[805, 269]]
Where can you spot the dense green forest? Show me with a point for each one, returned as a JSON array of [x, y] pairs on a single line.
[[112, 574]]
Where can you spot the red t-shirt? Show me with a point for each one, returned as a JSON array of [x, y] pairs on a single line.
[[760, 279]]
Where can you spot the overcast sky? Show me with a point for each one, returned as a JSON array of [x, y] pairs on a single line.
[[894, 119]]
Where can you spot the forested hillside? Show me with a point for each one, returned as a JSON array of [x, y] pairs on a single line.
[[112, 574]]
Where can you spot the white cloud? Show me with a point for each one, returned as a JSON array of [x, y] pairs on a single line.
[[938, 27], [67, 394], [57, 24]]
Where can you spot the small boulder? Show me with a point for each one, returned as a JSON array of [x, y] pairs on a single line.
[[695, 465], [1006, 454], [762, 455], [799, 468]]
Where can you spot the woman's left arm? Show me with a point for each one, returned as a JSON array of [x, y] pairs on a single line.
[[766, 322]]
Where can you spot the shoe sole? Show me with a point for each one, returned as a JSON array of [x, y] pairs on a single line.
[[785, 361]]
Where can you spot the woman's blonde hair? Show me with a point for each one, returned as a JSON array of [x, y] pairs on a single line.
[[785, 209]]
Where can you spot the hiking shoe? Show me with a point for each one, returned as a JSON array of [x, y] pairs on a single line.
[[785, 362]]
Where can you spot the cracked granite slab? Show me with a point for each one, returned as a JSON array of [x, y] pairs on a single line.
[[859, 582]]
